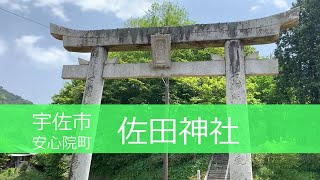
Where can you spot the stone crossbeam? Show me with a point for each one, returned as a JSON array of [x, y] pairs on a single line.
[[178, 69], [258, 31]]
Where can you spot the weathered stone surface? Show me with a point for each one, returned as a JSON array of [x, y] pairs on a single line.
[[252, 56], [94, 81], [160, 50], [83, 62], [235, 73], [240, 164], [178, 69], [215, 57], [257, 31], [113, 61], [80, 164], [261, 67], [198, 175]]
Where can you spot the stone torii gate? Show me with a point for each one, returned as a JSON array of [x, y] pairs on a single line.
[[235, 66]]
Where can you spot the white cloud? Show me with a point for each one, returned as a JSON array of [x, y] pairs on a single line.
[[254, 8], [3, 47], [280, 4], [123, 9], [44, 57], [14, 5], [55, 7]]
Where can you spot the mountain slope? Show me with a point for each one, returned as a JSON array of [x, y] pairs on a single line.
[[7, 97]]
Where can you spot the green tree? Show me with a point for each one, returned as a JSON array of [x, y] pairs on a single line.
[[4, 158], [53, 166], [298, 52], [159, 15]]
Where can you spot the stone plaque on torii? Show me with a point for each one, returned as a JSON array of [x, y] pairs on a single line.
[[235, 66]]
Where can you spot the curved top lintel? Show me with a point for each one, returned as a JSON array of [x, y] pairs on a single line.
[[256, 31]]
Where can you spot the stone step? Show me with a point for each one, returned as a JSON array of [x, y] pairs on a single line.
[[218, 172], [218, 167], [216, 175], [213, 175]]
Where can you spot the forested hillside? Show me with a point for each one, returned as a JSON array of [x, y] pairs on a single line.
[[7, 97]]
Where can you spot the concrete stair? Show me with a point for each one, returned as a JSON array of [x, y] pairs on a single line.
[[217, 170]]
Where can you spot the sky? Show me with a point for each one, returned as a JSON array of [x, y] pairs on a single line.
[[31, 59]]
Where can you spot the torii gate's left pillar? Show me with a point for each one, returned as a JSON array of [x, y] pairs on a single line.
[[80, 163]]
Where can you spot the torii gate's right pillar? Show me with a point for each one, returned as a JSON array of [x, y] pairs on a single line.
[[240, 166]]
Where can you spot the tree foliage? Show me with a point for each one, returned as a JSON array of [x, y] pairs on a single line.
[[298, 52], [53, 166], [160, 15], [4, 158]]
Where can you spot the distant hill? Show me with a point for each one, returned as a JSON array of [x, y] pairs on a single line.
[[7, 97]]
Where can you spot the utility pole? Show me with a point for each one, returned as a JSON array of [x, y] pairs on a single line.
[[166, 156]]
